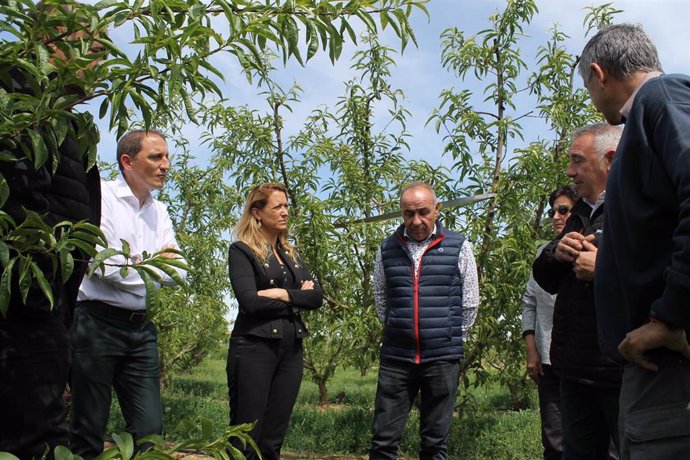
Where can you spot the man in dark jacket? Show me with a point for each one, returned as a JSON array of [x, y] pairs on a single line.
[[426, 294], [34, 338], [589, 382], [643, 270]]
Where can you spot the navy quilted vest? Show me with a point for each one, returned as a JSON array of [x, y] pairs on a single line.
[[424, 314]]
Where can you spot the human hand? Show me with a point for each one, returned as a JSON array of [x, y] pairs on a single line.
[[534, 369], [274, 293], [307, 284], [653, 334], [585, 262], [569, 247]]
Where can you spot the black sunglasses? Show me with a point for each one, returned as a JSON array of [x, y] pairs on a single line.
[[562, 210]]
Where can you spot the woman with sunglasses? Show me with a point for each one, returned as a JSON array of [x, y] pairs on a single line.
[[537, 322], [271, 284]]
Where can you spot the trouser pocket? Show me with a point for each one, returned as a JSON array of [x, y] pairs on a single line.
[[658, 433]]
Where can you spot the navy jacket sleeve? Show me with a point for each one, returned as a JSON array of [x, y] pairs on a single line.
[[244, 284], [671, 141], [549, 272]]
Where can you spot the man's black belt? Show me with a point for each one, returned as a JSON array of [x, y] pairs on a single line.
[[122, 314]]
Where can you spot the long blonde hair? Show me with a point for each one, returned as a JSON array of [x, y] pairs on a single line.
[[248, 228]]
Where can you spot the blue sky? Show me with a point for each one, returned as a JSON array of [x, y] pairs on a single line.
[[418, 72]]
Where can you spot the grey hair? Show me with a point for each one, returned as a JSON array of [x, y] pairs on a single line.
[[621, 50], [419, 184], [606, 136]]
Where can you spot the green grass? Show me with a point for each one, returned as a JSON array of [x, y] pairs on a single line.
[[487, 431]]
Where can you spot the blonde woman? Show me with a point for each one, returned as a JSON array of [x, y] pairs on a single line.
[[271, 284]]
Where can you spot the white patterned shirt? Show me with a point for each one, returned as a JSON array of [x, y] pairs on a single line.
[[467, 268]]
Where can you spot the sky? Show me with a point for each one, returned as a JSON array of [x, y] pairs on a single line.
[[419, 74]]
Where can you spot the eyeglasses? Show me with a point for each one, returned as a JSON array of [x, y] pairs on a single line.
[[562, 210]]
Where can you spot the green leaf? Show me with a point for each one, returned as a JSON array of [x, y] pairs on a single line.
[[66, 264], [4, 254], [5, 284], [60, 128], [100, 258], [4, 190], [188, 105], [162, 263], [24, 278], [111, 453], [153, 300], [125, 443], [85, 247], [149, 270], [206, 427], [313, 39], [93, 229], [40, 151], [384, 19], [63, 453], [42, 282], [85, 236], [125, 249], [103, 4], [103, 110]]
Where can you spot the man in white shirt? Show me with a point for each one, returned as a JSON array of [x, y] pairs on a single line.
[[114, 345]]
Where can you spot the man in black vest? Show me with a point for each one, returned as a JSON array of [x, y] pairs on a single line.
[[426, 293], [34, 338], [589, 381], [643, 268]]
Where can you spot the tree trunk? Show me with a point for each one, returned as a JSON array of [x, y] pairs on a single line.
[[323, 393]]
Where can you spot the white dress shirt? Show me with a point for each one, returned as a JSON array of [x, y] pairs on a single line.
[[146, 228]]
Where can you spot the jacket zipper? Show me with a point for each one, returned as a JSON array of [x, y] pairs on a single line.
[[415, 280]]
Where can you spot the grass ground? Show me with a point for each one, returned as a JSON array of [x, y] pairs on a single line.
[[342, 430]]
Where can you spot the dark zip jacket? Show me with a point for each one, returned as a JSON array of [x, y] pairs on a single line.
[[575, 352], [643, 265]]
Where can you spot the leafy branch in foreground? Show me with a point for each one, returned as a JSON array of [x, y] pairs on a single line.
[[199, 441], [152, 268], [30, 250]]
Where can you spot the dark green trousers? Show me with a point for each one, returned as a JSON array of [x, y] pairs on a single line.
[[109, 352]]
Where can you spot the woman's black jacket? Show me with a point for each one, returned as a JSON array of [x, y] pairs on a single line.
[[262, 316]]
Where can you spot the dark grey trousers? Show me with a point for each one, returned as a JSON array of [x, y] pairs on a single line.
[[34, 363], [398, 386], [111, 352], [655, 411], [550, 413]]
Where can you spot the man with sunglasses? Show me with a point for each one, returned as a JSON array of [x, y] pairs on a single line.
[[589, 382], [537, 322]]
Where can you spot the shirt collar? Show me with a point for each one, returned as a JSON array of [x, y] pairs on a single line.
[[597, 203], [123, 190], [431, 235], [625, 110]]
